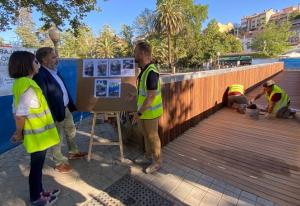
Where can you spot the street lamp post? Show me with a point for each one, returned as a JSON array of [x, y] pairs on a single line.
[[55, 37]]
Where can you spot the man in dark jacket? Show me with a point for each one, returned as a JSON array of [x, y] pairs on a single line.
[[60, 104]]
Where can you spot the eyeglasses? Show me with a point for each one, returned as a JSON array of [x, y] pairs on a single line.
[[36, 61]]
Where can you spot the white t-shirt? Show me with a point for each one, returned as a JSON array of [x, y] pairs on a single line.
[[28, 100]]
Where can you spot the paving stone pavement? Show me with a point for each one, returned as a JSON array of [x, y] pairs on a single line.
[[179, 184]]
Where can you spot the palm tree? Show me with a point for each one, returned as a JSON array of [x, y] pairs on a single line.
[[106, 43], [169, 21]]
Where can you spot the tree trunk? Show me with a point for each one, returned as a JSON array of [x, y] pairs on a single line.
[[169, 48]]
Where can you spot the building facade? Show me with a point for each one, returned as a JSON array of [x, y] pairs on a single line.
[[254, 24], [256, 21]]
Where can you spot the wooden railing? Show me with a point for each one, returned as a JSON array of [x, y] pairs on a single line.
[[190, 97]]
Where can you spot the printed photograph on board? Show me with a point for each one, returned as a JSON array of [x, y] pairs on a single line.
[[100, 88], [114, 88], [88, 68], [115, 67], [128, 68], [128, 63], [102, 67]]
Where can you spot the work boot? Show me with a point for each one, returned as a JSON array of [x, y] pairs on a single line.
[[63, 168], [152, 168], [54, 192], [44, 201], [143, 160], [77, 155]]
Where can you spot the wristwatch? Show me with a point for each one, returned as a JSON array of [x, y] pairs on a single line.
[[139, 113]]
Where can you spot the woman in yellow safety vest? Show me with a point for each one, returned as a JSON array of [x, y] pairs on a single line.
[[34, 123]]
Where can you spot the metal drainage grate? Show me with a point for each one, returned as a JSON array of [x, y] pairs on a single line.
[[130, 192]]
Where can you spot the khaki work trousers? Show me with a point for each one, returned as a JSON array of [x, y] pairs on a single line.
[[149, 129], [65, 128]]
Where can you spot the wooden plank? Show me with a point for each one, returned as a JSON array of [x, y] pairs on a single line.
[[234, 180], [261, 157]]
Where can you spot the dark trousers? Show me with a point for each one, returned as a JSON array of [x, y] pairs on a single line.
[[35, 175]]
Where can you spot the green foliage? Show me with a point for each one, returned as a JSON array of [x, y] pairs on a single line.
[[169, 21], [214, 41], [295, 15], [30, 36], [127, 36], [185, 45], [231, 44], [159, 49], [188, 41], [53, 12], [26, 29], [173, 30], [194, 16], [144, 23], [106, 43], [169, 18], [260, 55], [80, 46], [273, 40]]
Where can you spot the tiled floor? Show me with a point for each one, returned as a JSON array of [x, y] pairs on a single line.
[[180, 184]]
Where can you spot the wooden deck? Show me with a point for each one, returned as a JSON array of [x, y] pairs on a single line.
[[260, 156]]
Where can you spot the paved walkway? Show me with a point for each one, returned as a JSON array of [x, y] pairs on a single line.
[[182, 185]]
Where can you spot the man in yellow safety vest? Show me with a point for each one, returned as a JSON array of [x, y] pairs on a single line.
[[149, 104], [236, 98], [278, 100]]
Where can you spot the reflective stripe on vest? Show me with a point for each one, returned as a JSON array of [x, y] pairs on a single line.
[[156, 107], [38, 115], [283, 102], [236, 88], [39, 129]]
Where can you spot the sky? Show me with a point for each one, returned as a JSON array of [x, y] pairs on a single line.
[[118, 12]]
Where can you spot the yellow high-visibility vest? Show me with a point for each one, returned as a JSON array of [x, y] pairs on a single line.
[[156, 108], [39, 130], [283, 102], [236, 88]]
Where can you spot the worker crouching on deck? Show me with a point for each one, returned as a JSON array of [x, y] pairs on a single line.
[[236, 98], [278, 101]]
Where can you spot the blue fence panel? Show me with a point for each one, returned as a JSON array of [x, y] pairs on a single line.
[[7, 123], [68, 70], [291, 63]]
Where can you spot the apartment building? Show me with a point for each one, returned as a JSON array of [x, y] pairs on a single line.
[[256, 21], [283, 15], [251, 25]]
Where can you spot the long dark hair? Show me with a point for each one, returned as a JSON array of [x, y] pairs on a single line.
[[20, 64]]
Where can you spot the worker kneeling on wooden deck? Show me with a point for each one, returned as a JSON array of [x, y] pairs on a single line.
[[278, 101], [236, 98]]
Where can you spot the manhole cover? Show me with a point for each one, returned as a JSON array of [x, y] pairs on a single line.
[[130, 192]]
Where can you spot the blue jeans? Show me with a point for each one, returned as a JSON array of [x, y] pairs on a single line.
[[35, 175]]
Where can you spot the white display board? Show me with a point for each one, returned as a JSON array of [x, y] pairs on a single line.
[[5, 81]]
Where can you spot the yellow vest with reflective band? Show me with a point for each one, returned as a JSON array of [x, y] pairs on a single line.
[[236, 88], [39, 130], [156, 108], [283, 102]]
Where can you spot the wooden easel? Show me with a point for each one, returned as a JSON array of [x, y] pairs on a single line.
[[120, 142]]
